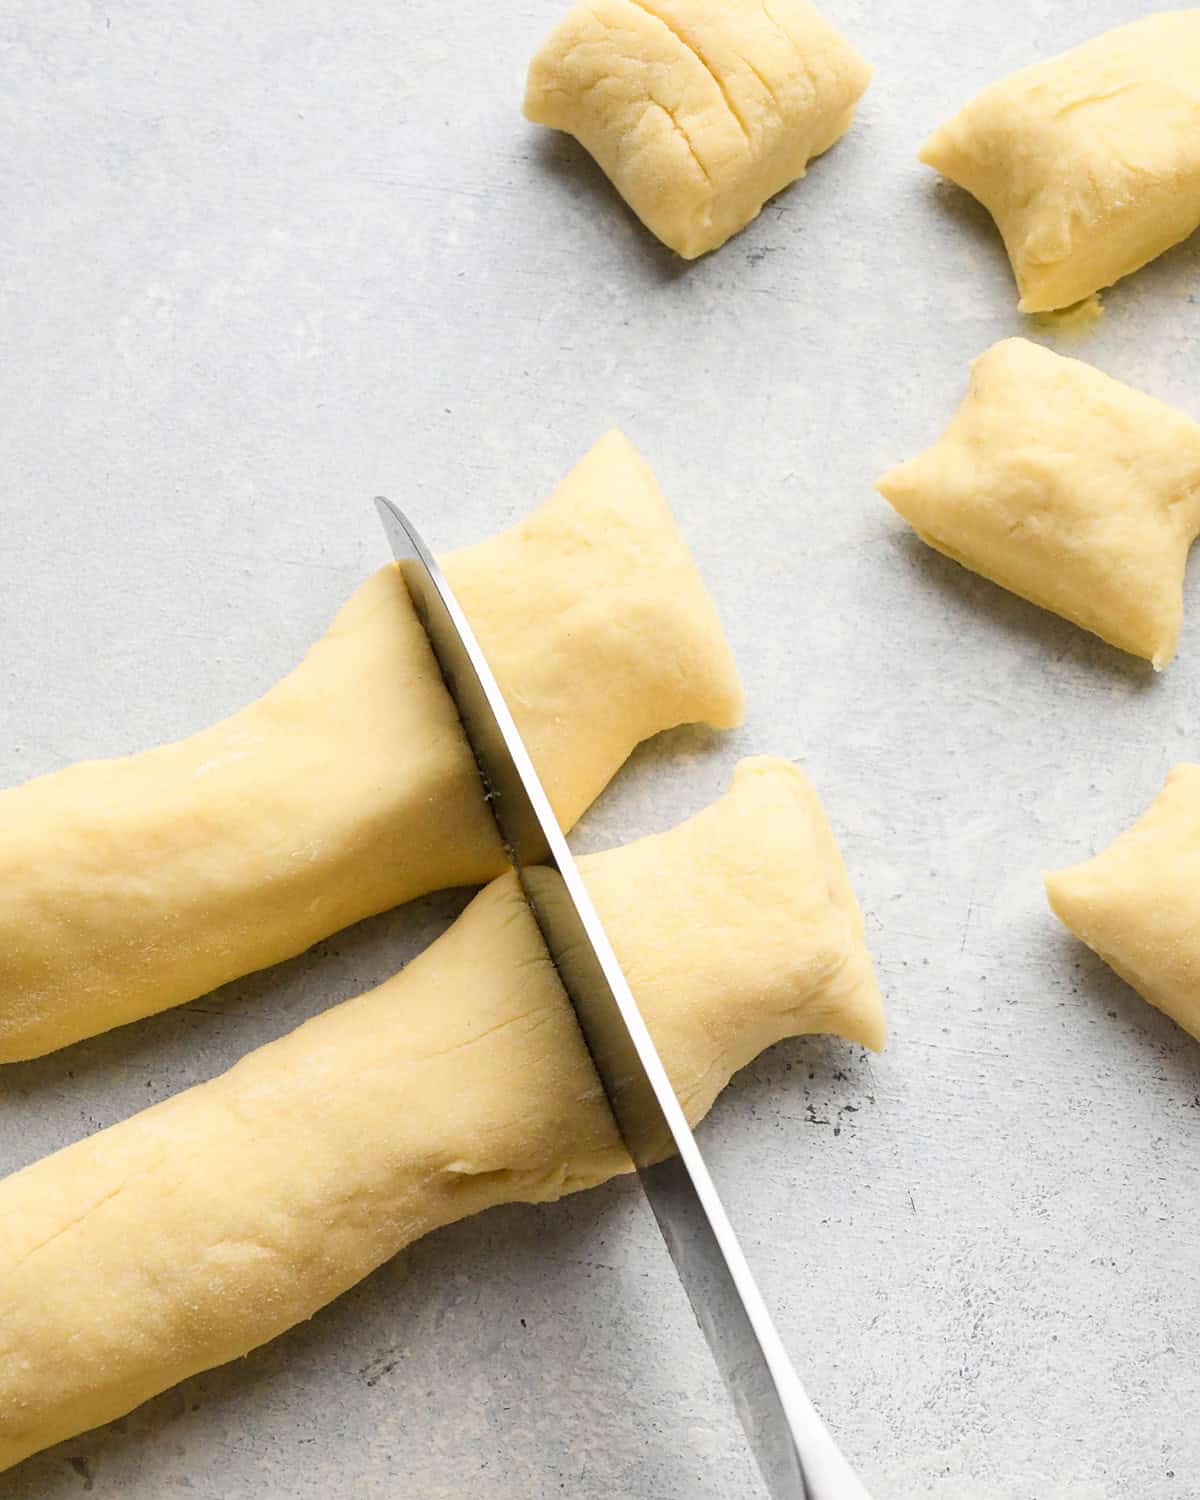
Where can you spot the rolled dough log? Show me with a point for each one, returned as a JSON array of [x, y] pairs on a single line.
[[1090, 162], [128, 886], [206, 1225], [697, 110], [1067, 487], [1138, 903]]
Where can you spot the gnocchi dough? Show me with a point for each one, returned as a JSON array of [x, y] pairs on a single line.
[[1089, 163], [203, 1227], [697, 110], [1068, 488], [128, 886], [1138, 903]]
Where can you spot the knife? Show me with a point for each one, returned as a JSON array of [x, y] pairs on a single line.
[[796, 1456]]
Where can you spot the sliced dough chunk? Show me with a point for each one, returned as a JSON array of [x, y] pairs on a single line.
[[1138, 903], [201, 1228], [697, 110], [1068, 488], [1089, 163], [128, 886]]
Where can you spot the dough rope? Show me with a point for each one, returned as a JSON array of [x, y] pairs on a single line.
[[210, 1223], [128, 886]]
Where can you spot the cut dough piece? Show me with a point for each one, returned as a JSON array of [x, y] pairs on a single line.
[[1138, 904], [697, 110], [1068, 488], [129, 886], [1089, 163], [205, 1226]]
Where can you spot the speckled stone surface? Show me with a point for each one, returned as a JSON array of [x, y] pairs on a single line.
[[259, 261]]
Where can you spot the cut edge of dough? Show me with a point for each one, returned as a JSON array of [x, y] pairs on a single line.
[[858, 1014], [1071, 907], [1159, 656], [1089, 896]]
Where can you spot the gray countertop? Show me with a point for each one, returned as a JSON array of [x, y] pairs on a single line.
[[259, 261]]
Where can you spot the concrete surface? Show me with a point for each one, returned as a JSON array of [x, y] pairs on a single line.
[[258, 261]]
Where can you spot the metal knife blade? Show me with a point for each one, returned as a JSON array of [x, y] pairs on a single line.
[[796, 1455]]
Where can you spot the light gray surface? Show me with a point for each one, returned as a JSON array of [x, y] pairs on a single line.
[[260, 261]]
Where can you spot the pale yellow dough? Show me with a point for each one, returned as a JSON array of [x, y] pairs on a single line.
[[1138, 903], [199, 1229], [697, 110], [1068, 488], [129, 886], [1089, 163]]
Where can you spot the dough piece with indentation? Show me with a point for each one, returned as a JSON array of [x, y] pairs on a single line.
[[127, 886], [1089, 163], [697, 110], [1138, 903], [201, 1228], [1067, 487]]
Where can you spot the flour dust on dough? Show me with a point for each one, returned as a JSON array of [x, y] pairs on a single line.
[[1137, 904], [698, 111], [127, 886], [201, 1228], [1090, 162], [1067, 487]]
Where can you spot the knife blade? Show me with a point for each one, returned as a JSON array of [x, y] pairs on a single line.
[[796, 1455]]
